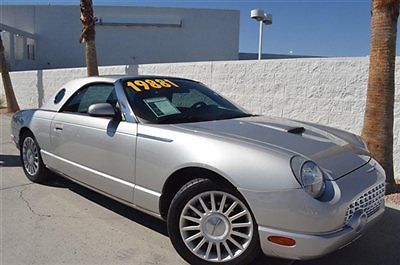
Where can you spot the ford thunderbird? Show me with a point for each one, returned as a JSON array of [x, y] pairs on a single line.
[[230, 184]]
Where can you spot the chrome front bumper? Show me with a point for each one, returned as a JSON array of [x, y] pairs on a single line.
[[309, 246]]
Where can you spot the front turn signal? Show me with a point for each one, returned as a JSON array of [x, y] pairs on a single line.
[[283, 241]]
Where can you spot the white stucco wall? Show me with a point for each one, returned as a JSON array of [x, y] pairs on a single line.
[[330, 91]]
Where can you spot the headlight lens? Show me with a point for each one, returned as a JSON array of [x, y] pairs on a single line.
[[312, 179], [309, 175]]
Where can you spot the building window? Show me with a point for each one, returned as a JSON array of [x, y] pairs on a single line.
[[30, 48], [5, 35], [18, 47]]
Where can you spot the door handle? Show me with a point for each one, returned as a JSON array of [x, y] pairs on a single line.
[[58, 127]]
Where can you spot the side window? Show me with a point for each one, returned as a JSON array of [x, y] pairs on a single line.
[[60, 95], [92, 94]]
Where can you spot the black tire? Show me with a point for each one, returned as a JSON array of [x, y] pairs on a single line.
[[183, 196], [41, 173]]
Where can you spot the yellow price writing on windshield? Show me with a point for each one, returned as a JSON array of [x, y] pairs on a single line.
[[147, 84]]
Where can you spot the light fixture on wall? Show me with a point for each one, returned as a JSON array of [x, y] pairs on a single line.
[[262, 18]]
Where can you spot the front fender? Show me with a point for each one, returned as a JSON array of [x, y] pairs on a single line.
[[245, 165]]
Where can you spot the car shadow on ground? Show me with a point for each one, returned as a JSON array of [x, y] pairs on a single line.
[[378, 246], [10, 160], [110, 204]]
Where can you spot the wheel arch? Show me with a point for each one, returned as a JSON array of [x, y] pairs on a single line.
[[23, 131], [182, 176]]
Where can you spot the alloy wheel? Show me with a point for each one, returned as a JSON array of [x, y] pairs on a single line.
[[30, 156], [216, 226]]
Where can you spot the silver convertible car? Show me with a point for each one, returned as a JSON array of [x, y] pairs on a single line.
[[230, 184]]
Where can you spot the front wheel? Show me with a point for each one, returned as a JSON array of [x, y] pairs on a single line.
[[209, 223]]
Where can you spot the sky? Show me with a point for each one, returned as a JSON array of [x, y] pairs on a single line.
[[302, 27]]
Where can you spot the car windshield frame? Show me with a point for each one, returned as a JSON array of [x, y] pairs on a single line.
[[146, 98]]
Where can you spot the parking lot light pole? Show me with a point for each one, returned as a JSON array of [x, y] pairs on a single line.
[[262, 18], [260, 36]]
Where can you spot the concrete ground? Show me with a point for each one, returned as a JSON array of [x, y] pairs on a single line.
[[64, 223]]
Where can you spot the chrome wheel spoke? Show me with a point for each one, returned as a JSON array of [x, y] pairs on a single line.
[[194, 209], [195, 236], [241, 225], [207, 255], [206, 210], [240, 235], [206, 226], [213, 205], [223, 200], [235, 243], [227, 249], [195, 220], [201, 243], [191, 228], [218, 251], [238, 215], [230, 209]]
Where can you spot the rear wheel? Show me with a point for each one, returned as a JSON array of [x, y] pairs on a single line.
[[209, 223], [31, 159]]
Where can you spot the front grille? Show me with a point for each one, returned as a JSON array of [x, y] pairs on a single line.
[[370, 202]]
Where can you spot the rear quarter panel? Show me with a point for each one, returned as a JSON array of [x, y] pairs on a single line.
[[38, 122]]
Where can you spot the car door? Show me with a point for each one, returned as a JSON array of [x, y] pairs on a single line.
[[98, 151]]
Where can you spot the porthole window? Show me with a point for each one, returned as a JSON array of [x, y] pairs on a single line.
[[60, 95]]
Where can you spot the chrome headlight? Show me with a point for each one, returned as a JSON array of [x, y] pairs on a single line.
[[313, 179], [309, 175]]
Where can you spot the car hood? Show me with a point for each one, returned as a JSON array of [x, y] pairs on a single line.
[[335, 151]]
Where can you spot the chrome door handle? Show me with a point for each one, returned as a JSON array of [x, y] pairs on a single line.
[[58, 127]]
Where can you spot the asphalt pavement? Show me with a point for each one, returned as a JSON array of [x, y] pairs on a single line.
[[64, 223]]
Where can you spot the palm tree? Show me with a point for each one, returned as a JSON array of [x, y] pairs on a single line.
[[12, 105], [378, 119], [88, 35]]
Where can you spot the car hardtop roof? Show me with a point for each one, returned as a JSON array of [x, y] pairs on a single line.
[[128, 77], [74, 85], [114, 78]]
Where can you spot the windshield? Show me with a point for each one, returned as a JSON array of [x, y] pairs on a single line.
[[173, 100]]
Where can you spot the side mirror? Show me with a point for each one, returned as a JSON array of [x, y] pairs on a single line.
[[102, 110]]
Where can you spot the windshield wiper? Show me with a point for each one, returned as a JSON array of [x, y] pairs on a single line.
[[186, 118], [236, 116]]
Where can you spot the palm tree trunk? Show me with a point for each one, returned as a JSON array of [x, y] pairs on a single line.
[[378, 118], [12, 105], [91, 58], [88, 35]]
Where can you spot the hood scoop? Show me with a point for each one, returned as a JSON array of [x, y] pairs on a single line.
[[296, 130]]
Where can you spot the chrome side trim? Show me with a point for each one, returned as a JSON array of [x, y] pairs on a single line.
[[94, 128], [158, 216], [151, 137], [154, 193], [90, 169]]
